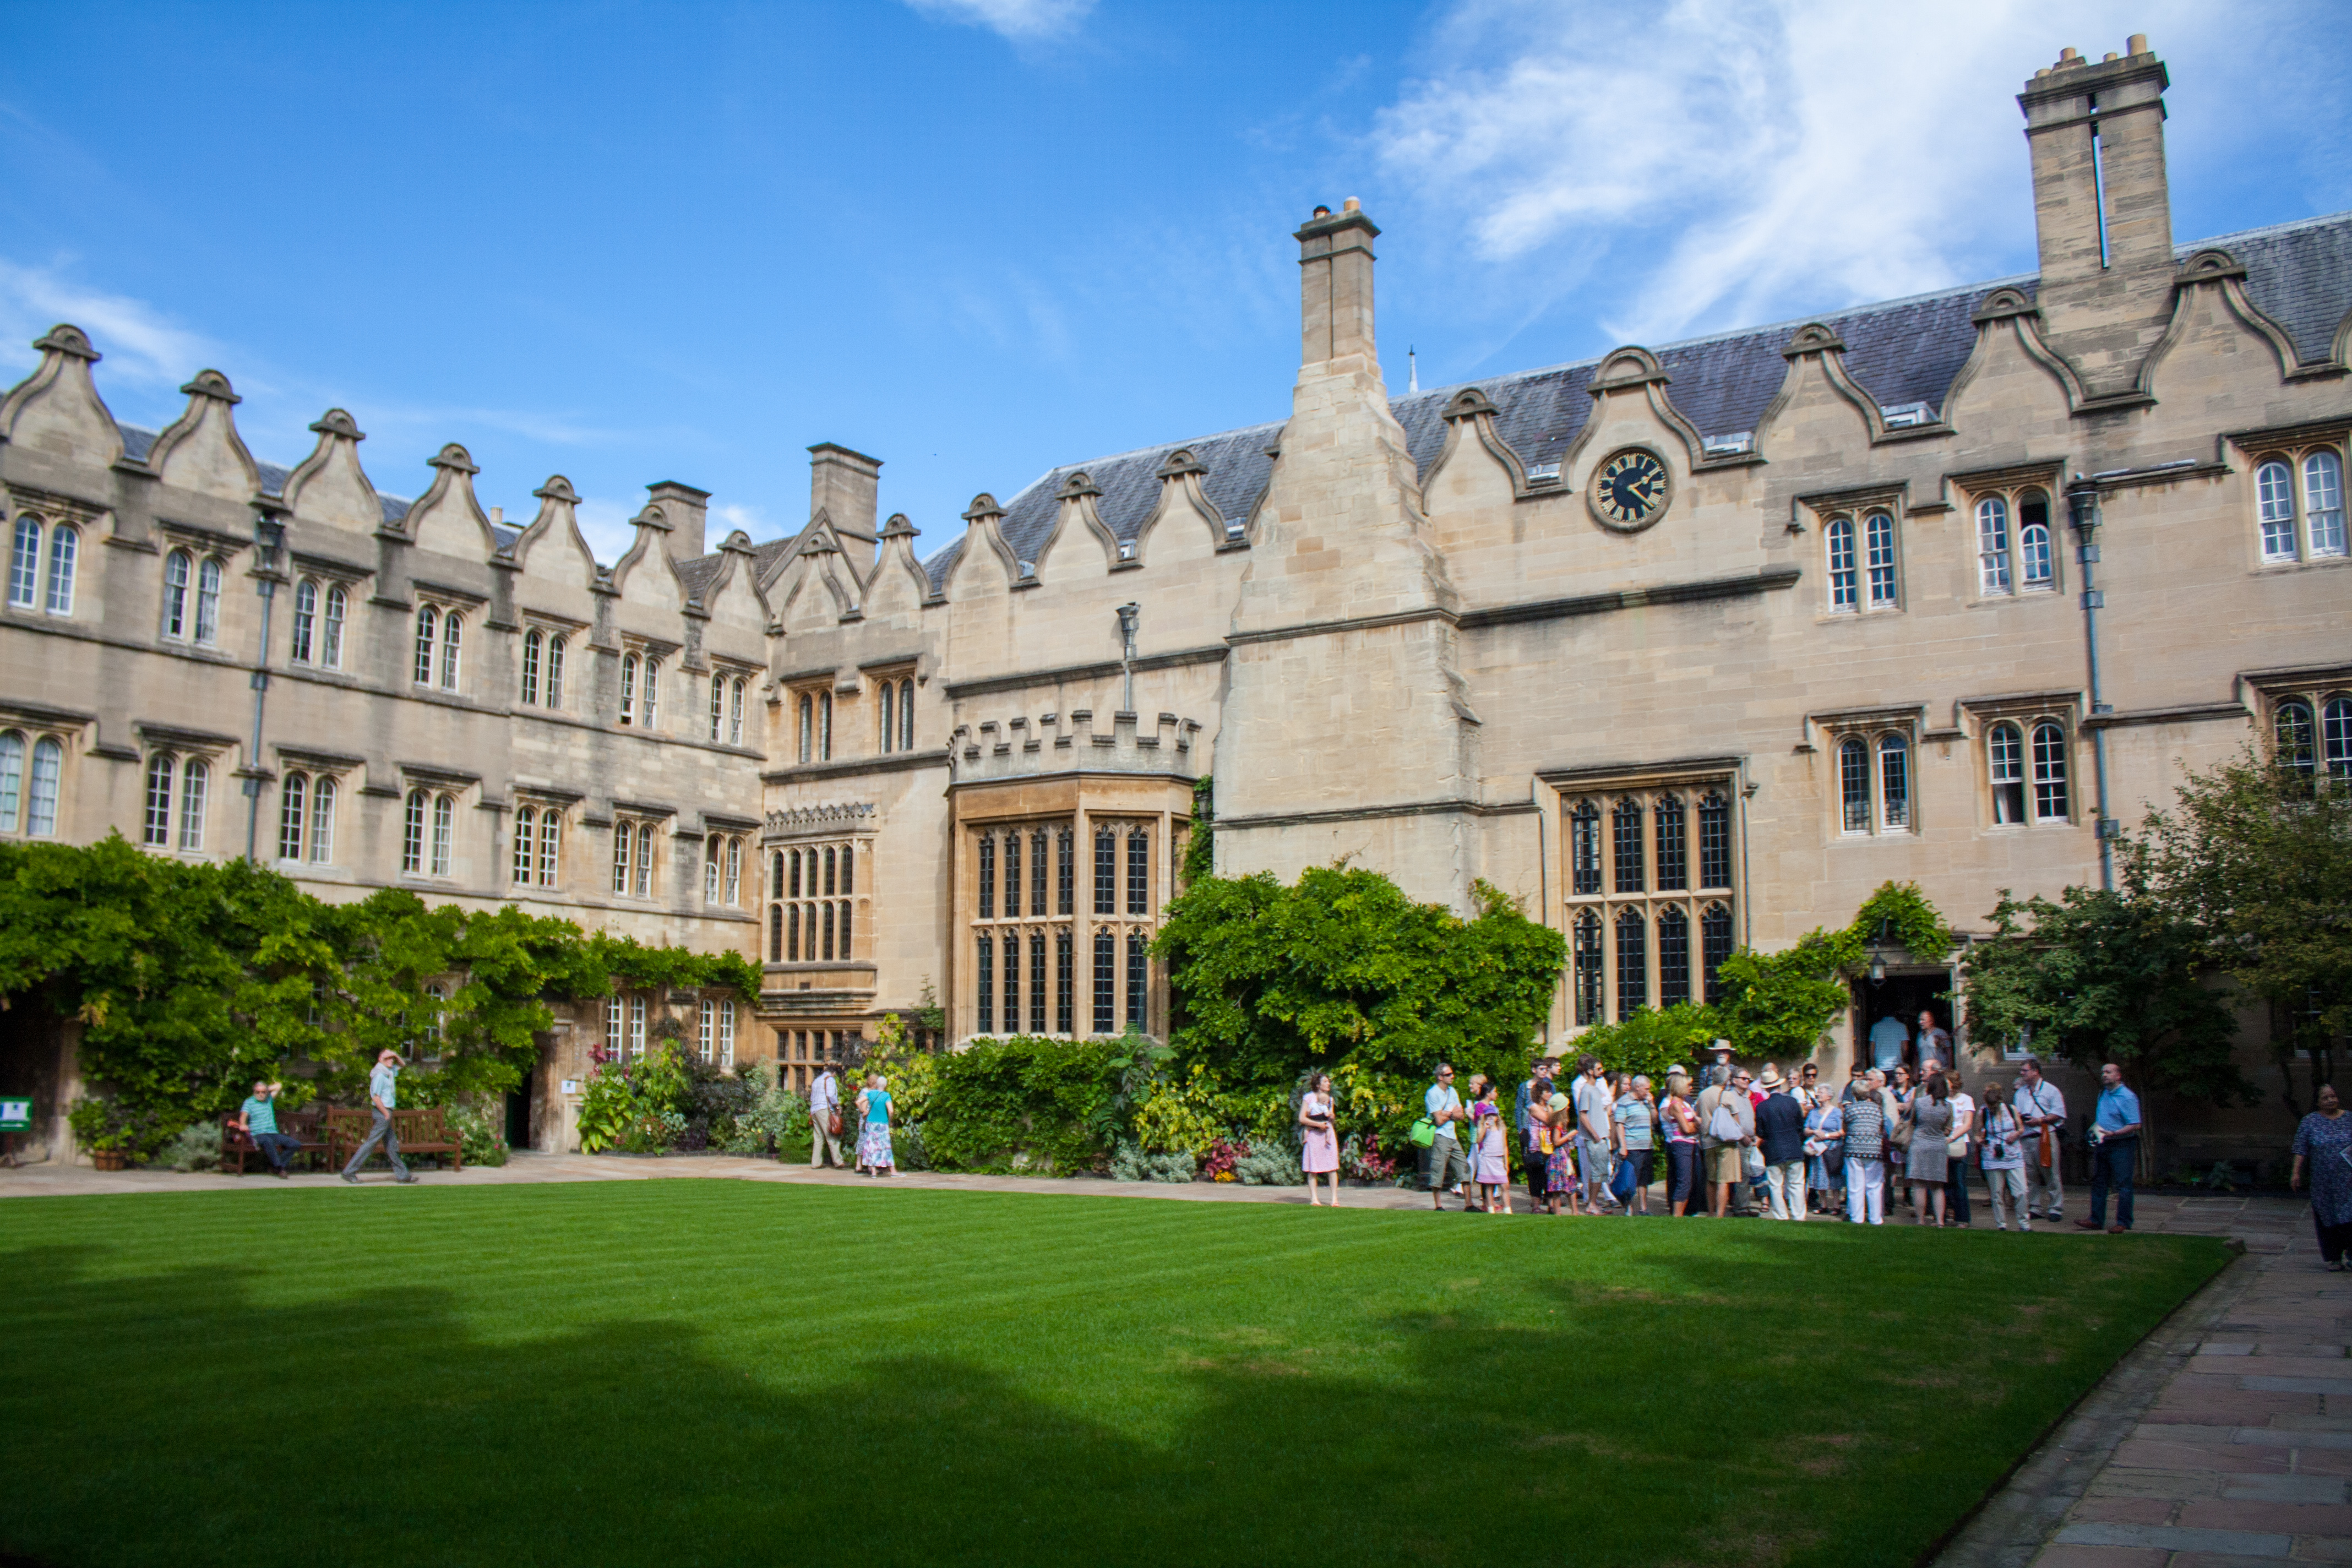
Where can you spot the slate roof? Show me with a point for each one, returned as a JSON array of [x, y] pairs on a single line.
[[137, 443], [1900, 351]]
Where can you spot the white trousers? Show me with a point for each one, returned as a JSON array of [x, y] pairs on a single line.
[[2008, 1191], [1865, 1191], [1784, 1189], [820, 1142], [2044, 1192]]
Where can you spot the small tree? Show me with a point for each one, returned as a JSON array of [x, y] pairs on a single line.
[[1777, 1005]]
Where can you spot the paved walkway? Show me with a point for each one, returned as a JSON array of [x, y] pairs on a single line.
[[2225, 1438]]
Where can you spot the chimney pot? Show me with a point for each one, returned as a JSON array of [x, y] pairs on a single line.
[[1352, 204], [2137, 43], [2109, 58], [1322, 211], [2069, 55]]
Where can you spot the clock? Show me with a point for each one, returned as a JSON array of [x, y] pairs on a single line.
[[1630, 489]]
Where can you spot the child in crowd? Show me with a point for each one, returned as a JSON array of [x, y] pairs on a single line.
[[1492, 1168]]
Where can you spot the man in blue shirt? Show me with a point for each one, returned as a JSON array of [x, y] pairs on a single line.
[[380, 1095], [2115, 1151], [1446, 1165]]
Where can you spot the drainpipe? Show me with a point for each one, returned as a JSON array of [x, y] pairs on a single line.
[[2083, 508], [1543, 891], [1129, 614], [268, 536]]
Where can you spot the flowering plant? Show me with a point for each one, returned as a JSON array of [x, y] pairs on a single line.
[[1218, 1163]]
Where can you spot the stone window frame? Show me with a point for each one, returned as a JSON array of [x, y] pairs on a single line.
[[2011, 491], [299, 793], [187, 793], [811, 706], [541, 682], [730, 700], [1070, 926], [2027, 716], [807, 915], [636, 855], [308, 633], [723, 853], [531, 849], [1596, 994], [428, 831], [1879, 733], [2297, 460], [33, 587], [2324, 698]]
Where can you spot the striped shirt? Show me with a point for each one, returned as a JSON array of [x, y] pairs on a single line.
[[260, 1115]]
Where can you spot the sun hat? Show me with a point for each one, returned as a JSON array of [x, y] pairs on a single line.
[[1772, 1078]]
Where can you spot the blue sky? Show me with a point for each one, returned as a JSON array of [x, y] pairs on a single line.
[[979, 237]]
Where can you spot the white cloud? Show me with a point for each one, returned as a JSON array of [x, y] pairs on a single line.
[[1822, 150], [141, 347], [1020, 20]]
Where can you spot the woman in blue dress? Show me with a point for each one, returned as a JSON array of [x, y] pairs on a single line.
[[875, 1156], [2323, 1151]]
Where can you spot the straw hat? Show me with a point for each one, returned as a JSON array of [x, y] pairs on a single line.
[[1772, 1078]]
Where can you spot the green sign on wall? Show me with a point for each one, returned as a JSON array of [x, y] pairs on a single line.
[[16, 1113]]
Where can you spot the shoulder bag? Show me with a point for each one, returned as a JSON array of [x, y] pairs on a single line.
[[1898, 1132], [1723, 1124]]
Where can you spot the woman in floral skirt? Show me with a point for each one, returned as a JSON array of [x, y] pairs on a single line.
[[875, 1156], [1319, 1151]]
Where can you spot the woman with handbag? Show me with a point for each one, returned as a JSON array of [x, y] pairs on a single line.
[[1928, 1161], [1681, 1125], [1825, 1153], [1898, 1135], [2004, 1159], [875, 1156]]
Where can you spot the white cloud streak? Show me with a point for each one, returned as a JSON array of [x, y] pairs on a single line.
[[1760, 153], [141, 347], [1022, 21]]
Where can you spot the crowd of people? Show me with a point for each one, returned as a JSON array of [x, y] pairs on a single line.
[[1788, 1147]]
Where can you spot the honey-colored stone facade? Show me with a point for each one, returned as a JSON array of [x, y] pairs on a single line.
[[1414, 647]]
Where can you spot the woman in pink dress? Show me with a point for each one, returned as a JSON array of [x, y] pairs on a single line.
[[1320, 1153]]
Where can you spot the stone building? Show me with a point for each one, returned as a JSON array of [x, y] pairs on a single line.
[[1690, 646]]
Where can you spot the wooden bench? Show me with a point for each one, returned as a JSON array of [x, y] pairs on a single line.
[[424, 1130], [308, 1127]]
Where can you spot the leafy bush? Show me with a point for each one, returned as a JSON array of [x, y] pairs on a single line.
[[1130, 1161], [775, 1117], [105, 1123], [196, 1147], [1651, 1040], [998, 1101], [634, 1105], [1270, 1162], [481, 1135], [1361, 1161]]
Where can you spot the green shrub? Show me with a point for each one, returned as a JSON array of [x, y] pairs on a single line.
[[776, 1119], [998, 1101], [481, 1135], [1270, 1162], [1130, 1161], [196, 1147], [1651, 1040]]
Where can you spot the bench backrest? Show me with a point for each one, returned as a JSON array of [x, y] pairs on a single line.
[[410, 1125]]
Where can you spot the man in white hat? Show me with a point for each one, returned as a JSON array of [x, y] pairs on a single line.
[[1780, 1130]]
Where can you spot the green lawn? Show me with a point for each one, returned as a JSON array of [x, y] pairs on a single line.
[[718, 1371]]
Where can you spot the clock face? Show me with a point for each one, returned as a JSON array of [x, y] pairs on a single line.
[[1630, 489]]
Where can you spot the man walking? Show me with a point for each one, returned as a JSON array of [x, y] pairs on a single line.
[[1780, 1130], [1446, 1165], [1935, 1044], [1726, 1125], [1595, 1126], [2115, 1151], [381, 1083], [825, 1107], [258, 1120], [2042, 1109]]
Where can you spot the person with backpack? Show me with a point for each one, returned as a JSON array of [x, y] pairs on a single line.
[[825, 1119], [1727, 1130], [1635, 1119]]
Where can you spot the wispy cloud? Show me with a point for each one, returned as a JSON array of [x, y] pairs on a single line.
[[1757, 152], [142, 346], [1022, 21]]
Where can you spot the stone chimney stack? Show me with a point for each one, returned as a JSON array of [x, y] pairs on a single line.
[[2103, 210], [845, 486], [688, 511], [1335, 285]]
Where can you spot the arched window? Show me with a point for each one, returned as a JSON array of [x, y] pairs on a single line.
[[1878, 539], [305, 621], [41, 803], [412, 834], [2049, 772], [890, 712], [322, 819], [824, 727], [1673, 844], [12, 777], [718, 706], [1138, 981], [792, 951], [551, 845], [1584, 847], [1715, 946], [1632, 962], [621, 831], [1040, 870], [428, 632], [525, 835], [2005, 765], [534, 644], [158, 830], [807, 727], [208, 586], [1138, 871], [644, 885], [1843, 581], [555, 672], [293, 813], [906, 714], [712, 853], [453, 629], [64, 548], [2297, 751], [1105, 871], [1714, 840], [985, 992], [1625, 845], [25, 564], [330, 638], [2274, 506], [444, 823], [2033, 555], [629, 688], [1893, 782], [195, 780], [1853, 784], [1992, 544], [735, 712], [1106, 982], [2336, 737], [1588, 969], [1673, 956], [2323, 508], [177, 569], [735, 873]]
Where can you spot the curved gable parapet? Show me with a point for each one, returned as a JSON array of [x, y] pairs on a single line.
[[731, 597], [2299, 277], [647, 577], [899, 585], [447, 519], [330, 486], [552, 547], [56, 409], [201, 451]]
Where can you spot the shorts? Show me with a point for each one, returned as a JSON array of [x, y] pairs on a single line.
[[1445, 1164], [1592, 1159], [1722, 1164], [1640, 1160]]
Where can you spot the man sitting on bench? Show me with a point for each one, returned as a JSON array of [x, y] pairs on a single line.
[[258, 1120]]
